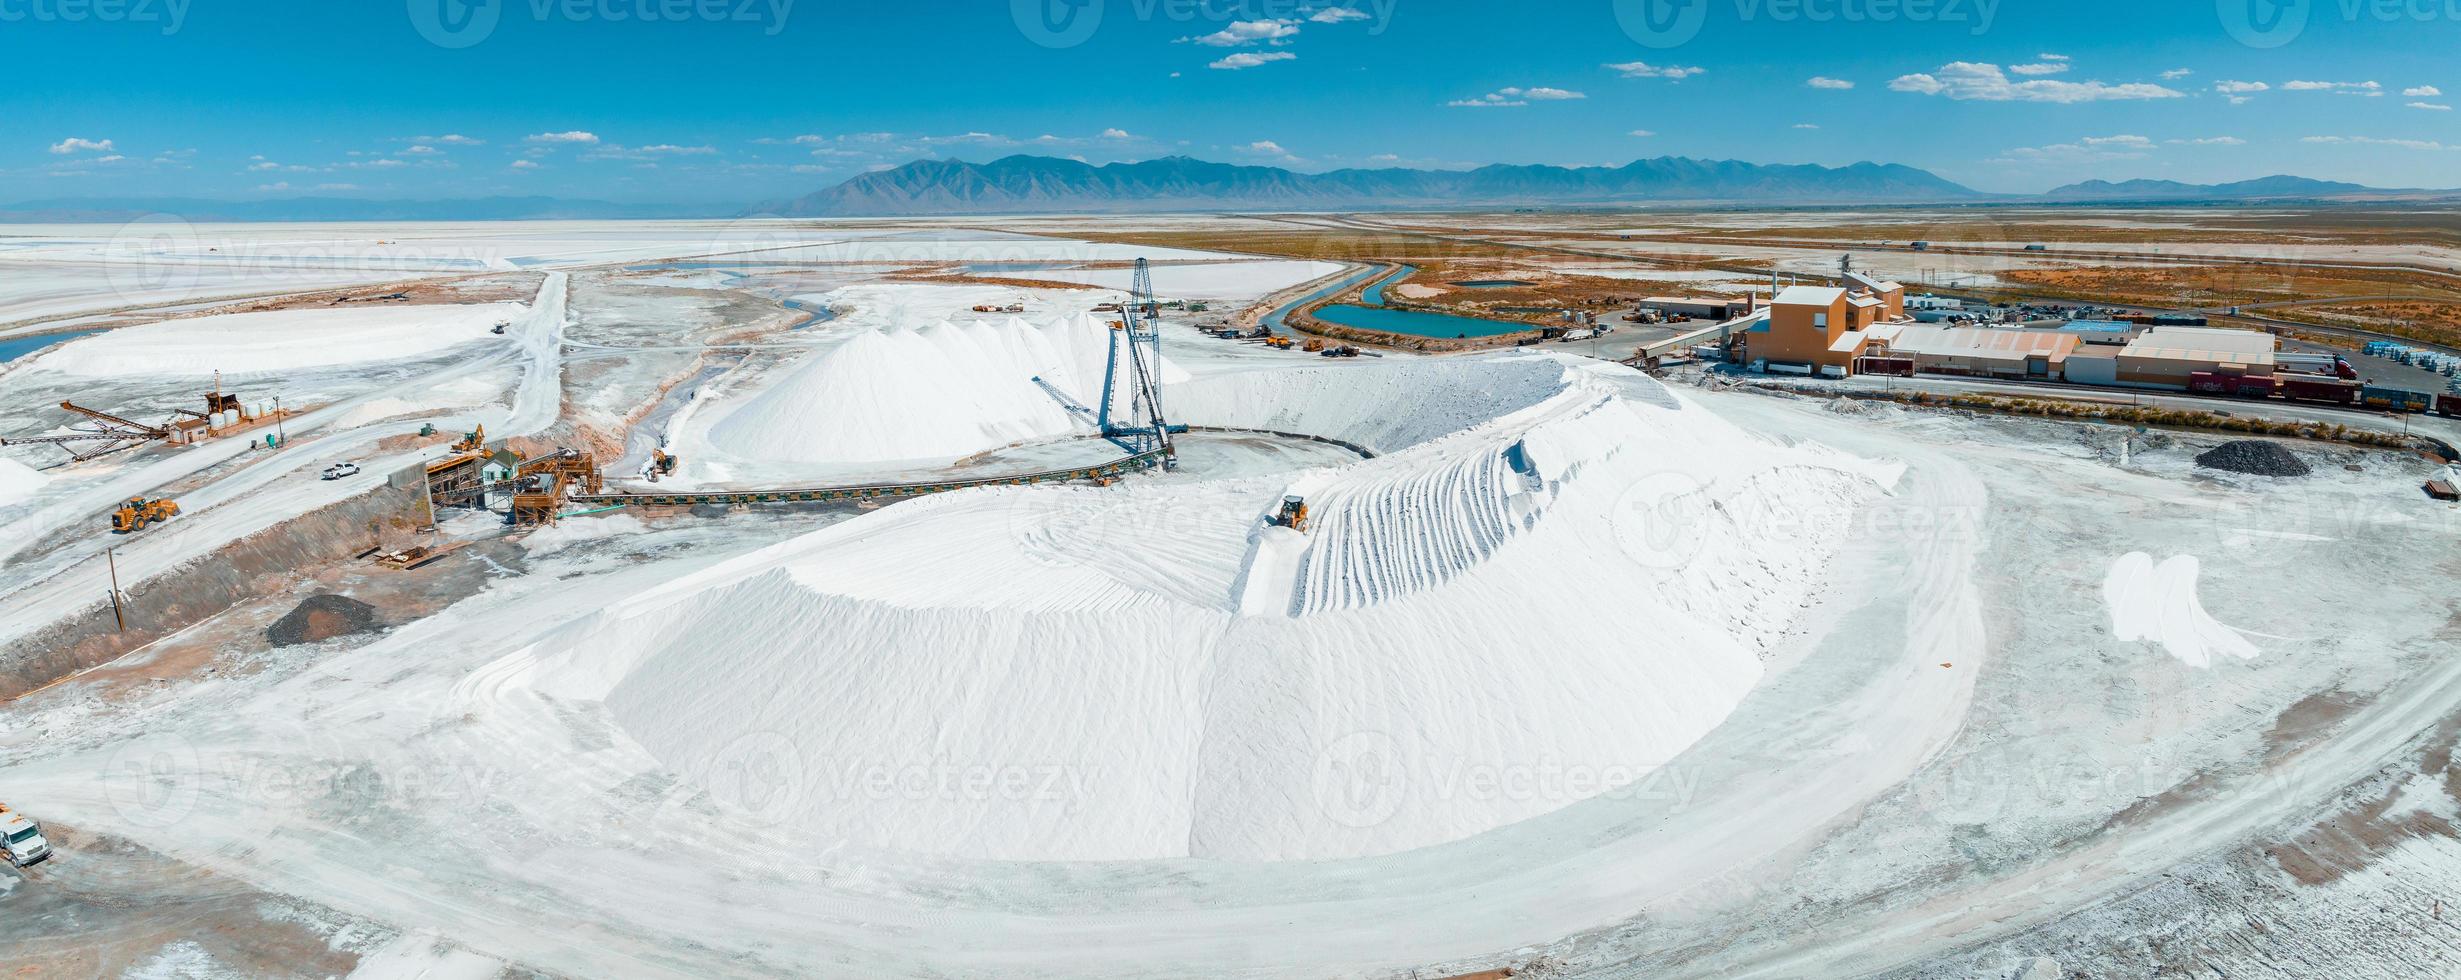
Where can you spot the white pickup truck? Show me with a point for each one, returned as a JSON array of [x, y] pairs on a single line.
[[21, 839]]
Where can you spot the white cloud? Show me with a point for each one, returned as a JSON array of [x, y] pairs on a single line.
[[279, 185], [572, 136], [337, 187], [1241, 33], [2209, 141], [1832, 84], [2431, 106], [2050, 57], [2042, 68], [2374, 141], [1644, 133], [2176, 74], [1518, 96], [2338, 88], [449, 139], [1807, 125], [75, 145], [525, 164], [1116, 134], [1966, 80], [2422, 92], [1270, 150], [421, 150], [1336, 15], [2091, 149], [1250, 59], [672, 149], [1643, 69], [2240, 88]]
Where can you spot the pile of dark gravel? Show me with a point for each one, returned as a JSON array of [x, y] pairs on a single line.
[[2253, 456], [321, 618]]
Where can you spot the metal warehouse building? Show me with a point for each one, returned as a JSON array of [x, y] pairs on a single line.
[[1985, 352], [2167, 356]]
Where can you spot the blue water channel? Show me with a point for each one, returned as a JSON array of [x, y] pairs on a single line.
[[1376, 316], [17, 347]]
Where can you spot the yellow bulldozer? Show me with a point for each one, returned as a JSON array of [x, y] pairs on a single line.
[[1293, 514], [138, 512], [472, 442]]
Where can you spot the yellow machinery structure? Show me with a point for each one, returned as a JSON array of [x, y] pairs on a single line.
[[543, 484], [1280, 343], [138, 512], [1293, 514]]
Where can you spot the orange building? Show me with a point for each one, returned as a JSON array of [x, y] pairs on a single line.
[[1824, 328]]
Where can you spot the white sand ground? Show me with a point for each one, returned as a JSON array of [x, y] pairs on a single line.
[[1578, 668], [241, 345]]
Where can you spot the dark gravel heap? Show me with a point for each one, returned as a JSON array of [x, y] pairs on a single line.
[[321, 618], [2253, 456]]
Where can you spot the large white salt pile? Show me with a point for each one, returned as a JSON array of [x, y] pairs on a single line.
[[1478, 628], [942, 391], [241, 344], [18, 481]]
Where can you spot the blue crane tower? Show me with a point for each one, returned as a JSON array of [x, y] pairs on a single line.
[[1131, 411]]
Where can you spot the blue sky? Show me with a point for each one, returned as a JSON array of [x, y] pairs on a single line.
[[737, 101]]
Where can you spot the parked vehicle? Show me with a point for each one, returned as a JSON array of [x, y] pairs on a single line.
[[21, 839], [340, 470]]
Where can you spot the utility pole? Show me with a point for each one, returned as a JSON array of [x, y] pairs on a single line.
[[278, 433], [112, 558]]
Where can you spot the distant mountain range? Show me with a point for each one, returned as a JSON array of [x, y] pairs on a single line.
[[2280, 187], [349, 209], [1044, 184], [1029, 184]]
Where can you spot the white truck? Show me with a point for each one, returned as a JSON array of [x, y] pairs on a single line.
[[21, 839]]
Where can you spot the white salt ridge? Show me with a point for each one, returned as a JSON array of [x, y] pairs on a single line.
[[243, 344], [18, 482], [1146, 671], [943, 391]]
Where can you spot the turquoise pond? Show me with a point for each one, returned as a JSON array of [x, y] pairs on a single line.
[[1375, 316], [1415, 323], [15, 348]]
